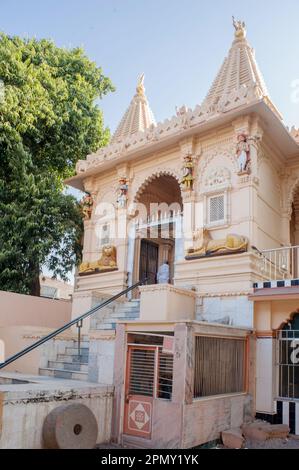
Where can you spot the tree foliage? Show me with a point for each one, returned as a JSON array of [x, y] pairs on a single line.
[[48, 120]]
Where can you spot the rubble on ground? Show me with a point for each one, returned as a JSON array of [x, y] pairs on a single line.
[[259, 434]]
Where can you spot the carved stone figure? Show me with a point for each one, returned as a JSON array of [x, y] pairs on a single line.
[[182, 113], [205, 246], [122, 193], [86, 206], [107, 262], [187, 180], [217, 177], [243, 154]]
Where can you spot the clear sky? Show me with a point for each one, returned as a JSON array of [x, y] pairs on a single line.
[[178, 44]]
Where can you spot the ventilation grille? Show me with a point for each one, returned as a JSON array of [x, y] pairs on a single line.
[[216, 208]]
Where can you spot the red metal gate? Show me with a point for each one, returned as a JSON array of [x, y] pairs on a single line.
[[140, 390]]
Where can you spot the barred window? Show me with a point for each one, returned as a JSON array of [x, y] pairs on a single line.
[[219, 366], [151, 372], [216, 208]]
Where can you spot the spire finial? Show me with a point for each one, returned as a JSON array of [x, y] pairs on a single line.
[[140, 85], [240, 28]]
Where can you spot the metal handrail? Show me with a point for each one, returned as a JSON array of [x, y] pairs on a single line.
[[68, 325], [281, 248]]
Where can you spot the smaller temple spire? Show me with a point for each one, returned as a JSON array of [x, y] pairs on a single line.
[[138, 116]]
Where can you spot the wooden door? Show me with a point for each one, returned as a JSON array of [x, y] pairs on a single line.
[[140, 390], [148, 266]]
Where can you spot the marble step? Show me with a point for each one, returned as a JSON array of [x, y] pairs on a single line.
[[83, 344], [71, 358], [105, 326], [63, 374], [69, 366], [111, 325], [125, 315], [74, 351]]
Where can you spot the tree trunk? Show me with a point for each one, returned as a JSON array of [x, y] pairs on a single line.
[[35, 283]]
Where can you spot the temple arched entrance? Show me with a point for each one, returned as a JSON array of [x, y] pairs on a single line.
[[157, 230]]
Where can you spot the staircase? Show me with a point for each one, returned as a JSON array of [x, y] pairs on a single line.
[[70, 365], [73, 367], [125, 311]]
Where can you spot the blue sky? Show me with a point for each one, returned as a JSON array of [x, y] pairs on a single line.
[[178, 44]]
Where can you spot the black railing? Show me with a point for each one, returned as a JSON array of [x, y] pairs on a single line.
[[77, 321]]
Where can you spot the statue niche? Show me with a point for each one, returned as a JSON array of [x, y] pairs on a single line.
[[107, 262], [204, 245]]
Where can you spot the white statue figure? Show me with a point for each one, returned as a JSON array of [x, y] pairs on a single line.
[[122, 193], [243, 153], [163, 273]]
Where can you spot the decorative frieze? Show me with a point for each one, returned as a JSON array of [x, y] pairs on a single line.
[[184, 120]]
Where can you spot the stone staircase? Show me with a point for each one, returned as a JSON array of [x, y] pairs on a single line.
[[70, 365], [126, 311]]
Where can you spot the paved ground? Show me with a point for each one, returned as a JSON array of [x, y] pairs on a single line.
[[290, 443]]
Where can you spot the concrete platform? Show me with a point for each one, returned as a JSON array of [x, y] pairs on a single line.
[[26, 400]]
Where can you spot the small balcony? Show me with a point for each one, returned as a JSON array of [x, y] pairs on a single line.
[[280, 264]]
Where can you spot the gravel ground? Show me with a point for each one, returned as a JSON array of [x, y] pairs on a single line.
[[273, 444]]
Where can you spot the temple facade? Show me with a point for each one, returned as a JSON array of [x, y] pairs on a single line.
[[205, 207]]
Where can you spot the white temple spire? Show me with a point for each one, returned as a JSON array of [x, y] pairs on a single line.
[[239, 70], [138, 116]]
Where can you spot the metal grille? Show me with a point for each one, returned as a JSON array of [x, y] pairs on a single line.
[[288, 363], [165, 376], [219, 366], [216, 207], [142, 372]]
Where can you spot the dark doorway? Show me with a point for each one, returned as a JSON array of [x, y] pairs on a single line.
[[148, 267]]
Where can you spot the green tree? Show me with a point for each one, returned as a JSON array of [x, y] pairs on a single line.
[[49, 119]]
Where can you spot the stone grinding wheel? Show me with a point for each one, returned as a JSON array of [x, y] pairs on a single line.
[[72, 426]]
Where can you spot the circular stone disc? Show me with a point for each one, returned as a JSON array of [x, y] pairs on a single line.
[[72, 426]]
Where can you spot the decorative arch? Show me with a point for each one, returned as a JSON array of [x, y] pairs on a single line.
[[216, 152], [160, 172], [287, 320], [291, 194]]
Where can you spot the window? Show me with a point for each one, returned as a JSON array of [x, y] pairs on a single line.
[[216, 209], [219, 366], [151, 372]]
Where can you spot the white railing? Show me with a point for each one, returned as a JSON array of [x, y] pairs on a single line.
[[280, 263]]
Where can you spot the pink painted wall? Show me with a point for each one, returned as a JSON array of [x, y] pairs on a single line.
[[23, 320], [18, 309]]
